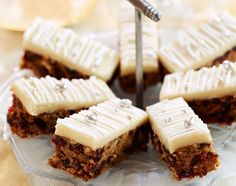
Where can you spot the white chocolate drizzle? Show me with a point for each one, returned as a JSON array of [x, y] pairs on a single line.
[[46, 95], [183, 129], [206, 83], [195, 48], [84, 55], [127, 41], [101, 124]]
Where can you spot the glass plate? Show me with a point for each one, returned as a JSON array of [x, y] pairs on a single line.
[[143, 168]]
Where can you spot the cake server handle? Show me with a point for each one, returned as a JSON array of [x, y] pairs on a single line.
[[139, 58], [147, 9]]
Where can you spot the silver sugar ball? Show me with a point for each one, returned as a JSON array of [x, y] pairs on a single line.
[[60, 87], [228, 65], [189, 122], [221, 81], [125, 103], [91, 117]]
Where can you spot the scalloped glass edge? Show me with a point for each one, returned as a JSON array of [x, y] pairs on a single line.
[[143, 168]]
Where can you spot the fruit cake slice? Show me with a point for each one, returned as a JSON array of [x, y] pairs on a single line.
[[91, 141], [127, 46], [182, 139], [209, 91], [62, 53], [210, 44], [38, 103]]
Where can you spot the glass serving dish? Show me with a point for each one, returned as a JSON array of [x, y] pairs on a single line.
[[141, 169]]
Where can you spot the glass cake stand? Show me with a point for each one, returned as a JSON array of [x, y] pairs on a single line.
[[141, 169]]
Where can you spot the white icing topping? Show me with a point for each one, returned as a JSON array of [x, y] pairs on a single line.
[[64, 45], [46, 95], [176, 125], [127, 41], [195, 48], [101, 124], [206, 83]]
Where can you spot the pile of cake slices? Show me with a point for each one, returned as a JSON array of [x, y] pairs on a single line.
[[93, 128]]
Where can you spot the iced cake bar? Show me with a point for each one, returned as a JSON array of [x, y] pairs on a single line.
[[210, 44], [60, 52], [211, 92], [38, 103], [91, 141], [183, 140], [127, 44]]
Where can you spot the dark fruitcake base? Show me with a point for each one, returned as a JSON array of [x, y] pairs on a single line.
[[85, 163], [25, 125], [190, 161], [229, 55], [43, 66], [127, 83], [216, 110]]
